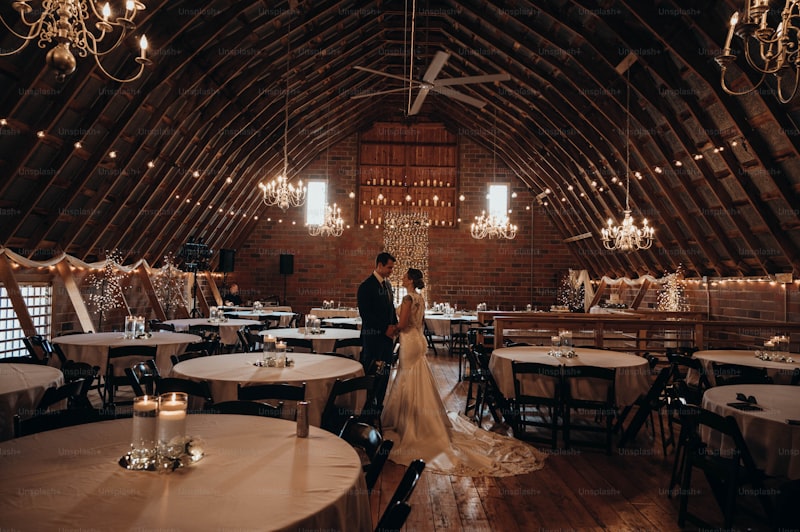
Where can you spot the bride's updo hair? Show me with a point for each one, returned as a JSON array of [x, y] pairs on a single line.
[[416, 276]]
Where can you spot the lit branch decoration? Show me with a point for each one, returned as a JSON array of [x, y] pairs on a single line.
[[672, 297], [571, 293], [168, 284], [106, 288]]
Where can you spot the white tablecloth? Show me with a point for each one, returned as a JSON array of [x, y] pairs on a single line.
[[633, 373], [256, 475], [21, 388], [781, 372], [323, 343], [334, 312], [439, 324], [284, 317], [225, 372], [92, 348], [774, 444], [353, 322], [227, 330]]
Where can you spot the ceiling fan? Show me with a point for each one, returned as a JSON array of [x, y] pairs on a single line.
[[429, 83]]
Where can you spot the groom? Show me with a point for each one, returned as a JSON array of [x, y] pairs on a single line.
[[378, 316]]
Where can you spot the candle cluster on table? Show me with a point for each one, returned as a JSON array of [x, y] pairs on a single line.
[[159, 439], [134, 327]]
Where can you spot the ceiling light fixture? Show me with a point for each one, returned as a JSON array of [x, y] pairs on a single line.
[[279, 191], [768, 50], [68, 23], [627, 236]]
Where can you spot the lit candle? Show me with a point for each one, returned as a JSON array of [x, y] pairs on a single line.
[[172, 417], [106, 11], [734, 21], [143, 46]]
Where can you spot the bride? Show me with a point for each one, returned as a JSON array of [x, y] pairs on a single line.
[[414, 416]]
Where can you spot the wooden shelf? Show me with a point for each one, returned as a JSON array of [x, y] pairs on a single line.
[[402, 168]]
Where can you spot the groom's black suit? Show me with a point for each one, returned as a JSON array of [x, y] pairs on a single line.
[[376, 307]]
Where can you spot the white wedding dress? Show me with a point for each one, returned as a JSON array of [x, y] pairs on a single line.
[[414, 418]]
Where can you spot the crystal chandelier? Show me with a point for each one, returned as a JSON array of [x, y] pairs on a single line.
[[627, 237], [491, 226], [332, 225], [768, 50], [279, 191], [69, 24]]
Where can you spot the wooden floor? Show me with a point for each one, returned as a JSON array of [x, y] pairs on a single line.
[[578, 489]]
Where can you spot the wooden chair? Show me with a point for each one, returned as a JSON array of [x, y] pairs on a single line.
[[189, 355], [334, 416], [348, 342], [729, 374], [552, 402], [38, 347], [69, 392], [605, 407], [368, 439], [646, 404], [245, 408], [459, 343], [726, 472], [161, 326], [307, 346], [142, 377], [199, 389], [122, 357], [274, 392], [398, 508], [57, 419]]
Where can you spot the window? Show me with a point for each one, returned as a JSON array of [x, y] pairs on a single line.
[[498, 200], [316, 200], [38, 300]]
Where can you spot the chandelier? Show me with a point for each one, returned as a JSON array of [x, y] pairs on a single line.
[[279, 191], [69, 24], [332, 225], [491, 226], [627, 237], [768, 50]]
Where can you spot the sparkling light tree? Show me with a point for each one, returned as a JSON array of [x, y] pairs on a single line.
[[106, 287], [571, 293], [672, 296], [168, 284]]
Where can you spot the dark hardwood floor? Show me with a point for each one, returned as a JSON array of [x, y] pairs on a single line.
[[578, 489]]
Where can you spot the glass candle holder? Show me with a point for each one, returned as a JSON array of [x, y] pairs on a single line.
[[143, 439], [172, 423], [130, 327], [280, 354]]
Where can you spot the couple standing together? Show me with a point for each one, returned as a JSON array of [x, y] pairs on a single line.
[[414, 416]]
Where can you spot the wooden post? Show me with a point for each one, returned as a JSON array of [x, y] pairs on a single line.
[[74, 294], [640, 295], [14, 293], [214, 290], [144, 276]]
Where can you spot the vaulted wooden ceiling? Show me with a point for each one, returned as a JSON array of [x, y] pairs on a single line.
[[204, 125]]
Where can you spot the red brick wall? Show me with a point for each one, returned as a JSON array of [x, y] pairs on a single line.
[[462, 270]]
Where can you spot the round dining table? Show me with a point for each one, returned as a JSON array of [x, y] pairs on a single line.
[[353, 323], [92, 348], [284, 318], [334, 312], [256, 474], [225, 372], [439, 324], [325, 342], [781, 372], [771, 429], [21, 388], [227, 329], [633, 376]]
